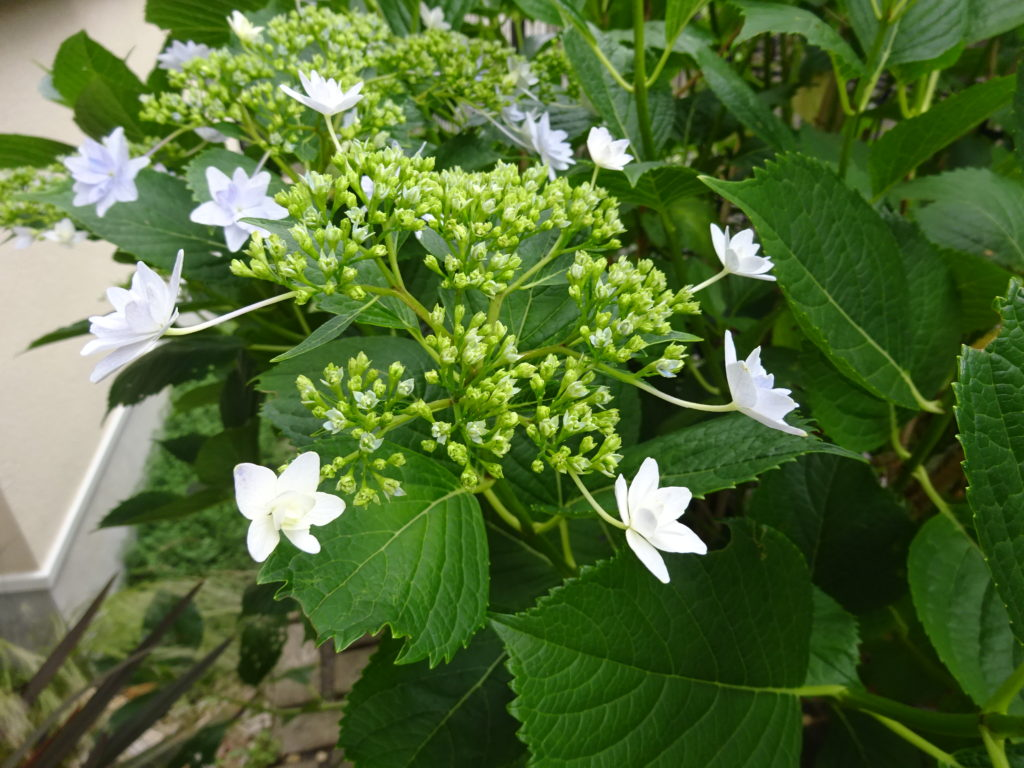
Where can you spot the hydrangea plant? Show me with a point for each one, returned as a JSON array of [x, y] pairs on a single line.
[[627, 349]]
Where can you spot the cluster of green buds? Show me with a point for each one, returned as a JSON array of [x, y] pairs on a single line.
[[484, 218], [571, 427], [363, 406], [240, 84], [344, 220], [623, 305], [16, 183]]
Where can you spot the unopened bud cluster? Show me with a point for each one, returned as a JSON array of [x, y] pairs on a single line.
[[623, 305], [15, 183], [362, 405]]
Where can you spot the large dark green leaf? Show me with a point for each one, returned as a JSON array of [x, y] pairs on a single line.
[[960, 610], [840, 269], [654, 185], [845, 412], [455, 714], [760, 17], [601, 665], [926, 31], [415, 563], [834, 639], [718, 453], [990, 414], [989, 18], [974, 210], [853, 532], [913, 141], [17, 150]]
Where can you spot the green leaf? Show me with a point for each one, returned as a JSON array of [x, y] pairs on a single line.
[[742, 101], [151, 232], [613, 104], [978, 282], [834, 640], [452, 715], [204, 21], [259, 647], [1018, 114], [150, 506], [186, 358], [853, 533], [416, 563], [80, 60], [77, 328], [284, 408], [401, 15], [990, 414], [913, 141], [719, 453], [960, 610], [329, 331], [926, 31], [840, 269], [17, 150], [989, 18], [846, 413], [677, 14], [761, 17], [600, 665], [975, 210], [654, 185], [387, 312], [103, 105]]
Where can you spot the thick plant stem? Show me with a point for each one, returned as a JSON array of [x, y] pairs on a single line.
[[921, 743], [996, 749], [563, 534], [615, 374], [710, 281], [511, 520], [640, 81]]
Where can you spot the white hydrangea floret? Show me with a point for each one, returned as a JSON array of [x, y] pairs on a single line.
[[289, 504], [607, 152], [64, 232], [324, 95], [178, 54], [738, 254], [104, 173], [141, 316], [243, 28], [236, 198], [753, 390], [549, 143], [433, 18], [650, 514]]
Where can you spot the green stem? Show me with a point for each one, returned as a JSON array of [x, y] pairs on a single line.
[[1007, 692], [334, 136], [547, 525], [597, 507], [640, 80], [921, 475], [918, 741], [229, 316], [593, 176], [268, 347], [710, 281], [710, 388], [556, 250], [628, 379], [302, 319], [563, 534], [996, 749], [511, 520], [616, 75]]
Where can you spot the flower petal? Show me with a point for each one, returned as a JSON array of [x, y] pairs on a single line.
[[645, 483], [622, 498], [676, 537], [302, 475], [327, 509], [302, 539], [255, 488], [648, 555], [262, 538]]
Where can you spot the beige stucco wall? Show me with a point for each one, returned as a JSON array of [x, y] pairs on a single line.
[[51, 418]]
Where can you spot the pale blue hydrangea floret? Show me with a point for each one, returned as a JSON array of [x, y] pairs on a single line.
[[234, 199], [104, 172]]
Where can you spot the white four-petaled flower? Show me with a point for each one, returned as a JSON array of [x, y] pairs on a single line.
[[243, 28], [234, 199], [738, 254], [178, 54], [433, 18], [289, 504], [550, 144], [607, 152], [650, 514], [141, 316], [324, 96], [105, 173], [753, 391], [64, 232]]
